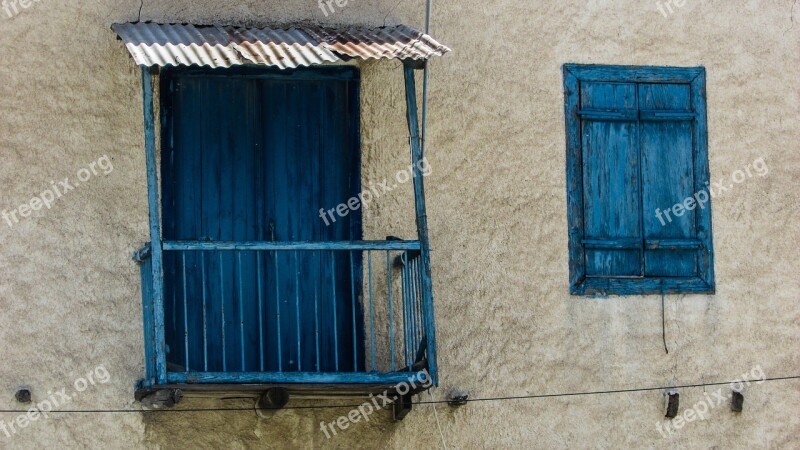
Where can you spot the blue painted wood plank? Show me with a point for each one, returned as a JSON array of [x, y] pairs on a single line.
[[613, 244], [609, 116], [702, 177], [203, 281], [291, 246], [643, 286], [297, 378], [666, 115], [159, 343], [673, 244], [611, 184], [371, 312], [407, 347], [412, 118], [260, 289], [667, 151], [391, 308], [146, 271], [355, 316], [335, 307], [633, 74], [277, 322], [577, 265]]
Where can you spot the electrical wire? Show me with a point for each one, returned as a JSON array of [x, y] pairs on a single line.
[[438, 425], [432, 402]]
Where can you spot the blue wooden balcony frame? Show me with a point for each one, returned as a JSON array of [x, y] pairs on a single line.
[[152, 274]]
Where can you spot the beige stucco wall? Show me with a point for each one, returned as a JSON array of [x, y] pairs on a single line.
[[70, 295]]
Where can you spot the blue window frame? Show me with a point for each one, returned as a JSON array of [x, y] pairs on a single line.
[[639, 211]]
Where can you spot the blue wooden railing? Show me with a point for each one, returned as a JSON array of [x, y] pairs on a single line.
[[394, 337], [289, 312]]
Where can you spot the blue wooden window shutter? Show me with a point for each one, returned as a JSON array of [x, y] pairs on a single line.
[[639, 210]]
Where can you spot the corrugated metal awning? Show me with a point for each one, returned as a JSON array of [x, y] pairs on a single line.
[[153, 44]]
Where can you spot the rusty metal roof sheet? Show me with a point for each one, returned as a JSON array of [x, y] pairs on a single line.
[[153, 44]]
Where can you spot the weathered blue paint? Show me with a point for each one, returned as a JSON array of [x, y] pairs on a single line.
[[577, 267], [634, 74], [421, 219], [670, 116], [296, 378], [288, 246], [701, 176], [608, 116], [672, 244], [158, 344], [249, 158], [371, 312], [636, 142], [146, 271], [232, 207], [391, 308]]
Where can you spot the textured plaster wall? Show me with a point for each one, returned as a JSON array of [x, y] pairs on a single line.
[[70, 295]]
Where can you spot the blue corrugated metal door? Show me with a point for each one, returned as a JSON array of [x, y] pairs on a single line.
[[253, 156]]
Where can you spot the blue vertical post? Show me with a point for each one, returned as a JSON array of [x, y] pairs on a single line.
[[155, 225], [406, 313], [185, 316], [146, 271], [241, 309], [391, 307], [335, 312], [278, 309], [205, 312], [371, 311], [422, 219], [260, 313]]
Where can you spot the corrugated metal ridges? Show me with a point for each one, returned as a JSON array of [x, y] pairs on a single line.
[[177, 45], [153, 44], [279, 48], [398, 42]]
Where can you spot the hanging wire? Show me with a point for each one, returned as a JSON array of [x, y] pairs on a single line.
[[433, 402], [438, 425]]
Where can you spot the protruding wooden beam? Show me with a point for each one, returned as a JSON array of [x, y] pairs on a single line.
[[422, 219], [155, 227]]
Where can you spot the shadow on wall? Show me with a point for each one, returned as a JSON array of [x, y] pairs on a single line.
[[284, 429]]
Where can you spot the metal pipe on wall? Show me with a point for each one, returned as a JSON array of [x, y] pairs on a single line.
[[425, 81]]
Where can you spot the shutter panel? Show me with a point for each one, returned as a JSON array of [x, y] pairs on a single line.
[[668, 173], [611, 185]]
